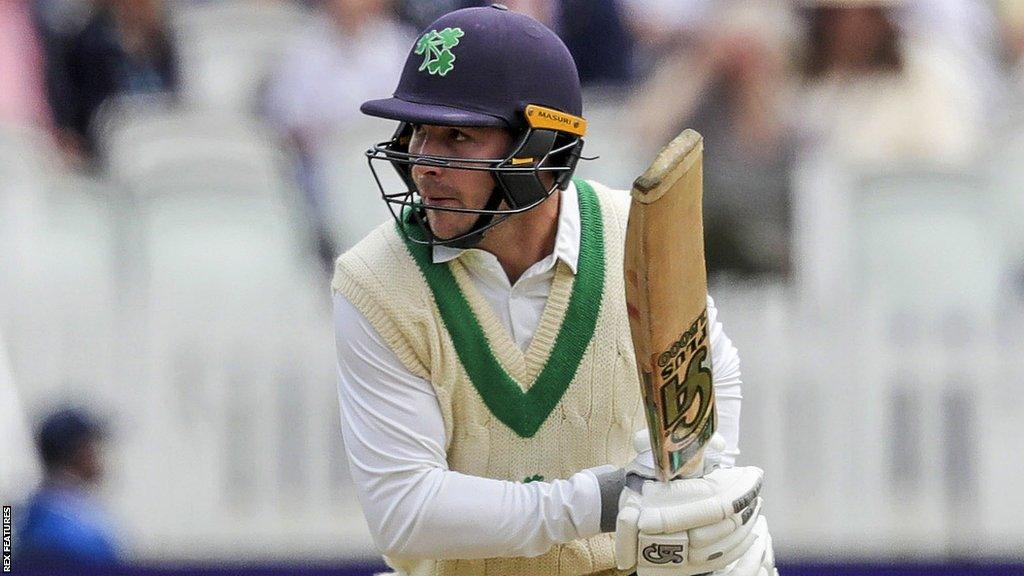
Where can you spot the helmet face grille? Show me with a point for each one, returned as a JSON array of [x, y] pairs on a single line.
[[518, 184]]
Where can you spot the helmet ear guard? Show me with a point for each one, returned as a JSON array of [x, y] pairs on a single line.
[[538, 147]]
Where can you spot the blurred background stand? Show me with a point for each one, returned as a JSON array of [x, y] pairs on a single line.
[[229, 47], [176, 179], [19, 465]]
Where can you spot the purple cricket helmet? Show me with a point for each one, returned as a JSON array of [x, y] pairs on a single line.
[[485, 67]]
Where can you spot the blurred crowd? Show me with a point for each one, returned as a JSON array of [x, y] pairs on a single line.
[[777, 88], [872, 83]]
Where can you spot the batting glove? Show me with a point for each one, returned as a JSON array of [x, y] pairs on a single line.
[[692, 526]]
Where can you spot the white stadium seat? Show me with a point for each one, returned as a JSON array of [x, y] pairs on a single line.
[[351, 198], [227, 48], [925, 243], [1006, 171], [59, 290]]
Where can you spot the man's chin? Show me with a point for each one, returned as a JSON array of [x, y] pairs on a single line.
[[445, 236], [446, 231]]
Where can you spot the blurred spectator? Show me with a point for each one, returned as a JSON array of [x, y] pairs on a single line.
[[724, 72], [967, 28], [661, 26], [876, 97], [355, 54], [419, 13], [63, 525], [123, 48], [346, 59], [1011, 16], [596, 34], [22, 91]]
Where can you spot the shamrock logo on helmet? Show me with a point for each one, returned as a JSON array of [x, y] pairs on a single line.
[[436, 49]]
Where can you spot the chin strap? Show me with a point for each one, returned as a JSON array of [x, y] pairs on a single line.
[[479, 229]]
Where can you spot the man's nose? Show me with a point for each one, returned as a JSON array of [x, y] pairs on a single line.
[[427, 166], [423, 170]]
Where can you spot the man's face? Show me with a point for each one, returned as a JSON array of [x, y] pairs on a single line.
[[451, 187]]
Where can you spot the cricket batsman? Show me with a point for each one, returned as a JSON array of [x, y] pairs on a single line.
[[488, 386]]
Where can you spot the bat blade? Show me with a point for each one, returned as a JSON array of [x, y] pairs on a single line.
[[666, 298]]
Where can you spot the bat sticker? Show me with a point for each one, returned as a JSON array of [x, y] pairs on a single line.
[[685, 393]]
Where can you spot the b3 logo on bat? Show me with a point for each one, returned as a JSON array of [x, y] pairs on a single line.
[[687, 392], [684, 403]]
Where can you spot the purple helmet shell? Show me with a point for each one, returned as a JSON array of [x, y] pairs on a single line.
[[482, 67]]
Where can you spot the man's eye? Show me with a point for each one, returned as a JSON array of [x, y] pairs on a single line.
[[459, 136]]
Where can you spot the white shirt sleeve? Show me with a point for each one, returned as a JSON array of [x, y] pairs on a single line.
[[415, 506], [725, 370]]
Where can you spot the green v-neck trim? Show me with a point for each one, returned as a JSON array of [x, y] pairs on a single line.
[[523, 412]]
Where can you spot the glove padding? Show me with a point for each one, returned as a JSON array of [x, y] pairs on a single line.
[[759, 560], [692, 526]]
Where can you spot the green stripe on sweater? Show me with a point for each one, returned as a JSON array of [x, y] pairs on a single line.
[[523, 412]]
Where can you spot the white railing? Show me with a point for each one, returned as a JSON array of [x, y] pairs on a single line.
[[880, 440], [875, 447]]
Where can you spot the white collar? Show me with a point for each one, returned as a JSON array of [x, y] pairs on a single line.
[[567, 239]]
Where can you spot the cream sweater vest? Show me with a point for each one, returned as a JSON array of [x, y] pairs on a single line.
[[552, 433]]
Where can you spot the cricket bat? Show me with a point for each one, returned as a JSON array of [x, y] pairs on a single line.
[[666, 299]]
